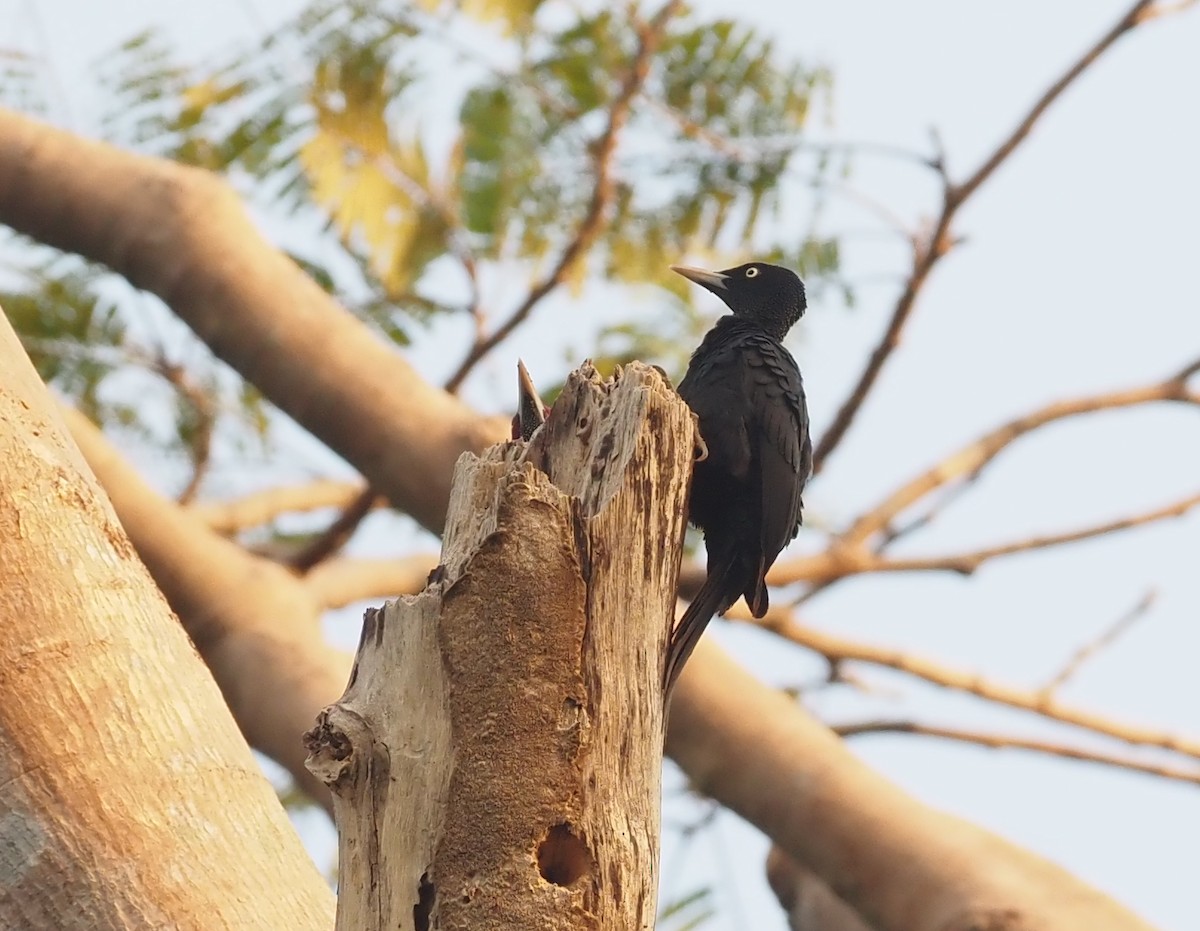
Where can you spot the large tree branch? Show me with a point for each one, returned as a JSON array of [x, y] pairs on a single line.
[[128, 799], [931, 248], [901, 865], [255, 625], [182, 234]]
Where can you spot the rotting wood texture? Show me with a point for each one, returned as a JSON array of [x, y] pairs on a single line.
[[495, 760]]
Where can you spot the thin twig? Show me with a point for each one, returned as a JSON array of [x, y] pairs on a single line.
[[1105, 639], [200, 400], [782, 143], [1134, 17], [892, 534], [337, 534], [590, 227], [1002, 741], [1188, 370], [1037, 701], [841, 561], [938, 242], [975, 455]]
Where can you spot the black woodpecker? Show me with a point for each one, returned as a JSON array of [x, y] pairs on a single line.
[[746, 391]]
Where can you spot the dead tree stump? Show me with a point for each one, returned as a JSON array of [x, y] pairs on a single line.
[[495, 761]]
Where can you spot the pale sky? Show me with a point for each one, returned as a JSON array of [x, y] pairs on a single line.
[[1075, 278]]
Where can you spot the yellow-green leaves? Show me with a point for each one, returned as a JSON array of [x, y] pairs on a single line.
[[377, 190]]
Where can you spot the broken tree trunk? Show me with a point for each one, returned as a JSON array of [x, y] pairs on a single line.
[[495, 760]]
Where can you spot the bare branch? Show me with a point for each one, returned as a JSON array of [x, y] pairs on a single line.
[[841, 560], [1135, 16], [975, 455], [338, 533], [592, 224], [1166, 9], [1038, 701], [1105, 639], [966, 563], [1002, 742], [933, 247], [1188, 370], [339, 582], [262, 507]]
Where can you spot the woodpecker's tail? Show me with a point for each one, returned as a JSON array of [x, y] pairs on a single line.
[[712, 598]]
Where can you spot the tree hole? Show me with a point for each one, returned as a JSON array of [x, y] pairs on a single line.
[[562, 856], [423, 910]]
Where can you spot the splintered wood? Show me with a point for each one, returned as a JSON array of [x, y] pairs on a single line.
[[495, 760]]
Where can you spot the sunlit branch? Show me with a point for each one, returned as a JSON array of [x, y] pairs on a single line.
[[262, 507], [1009, 742], [968, 460], [1038, 701], [336, 583]]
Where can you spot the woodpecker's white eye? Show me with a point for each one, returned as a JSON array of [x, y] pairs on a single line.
[[752, 271]]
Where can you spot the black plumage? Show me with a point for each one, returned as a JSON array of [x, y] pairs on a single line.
[[747, 394]]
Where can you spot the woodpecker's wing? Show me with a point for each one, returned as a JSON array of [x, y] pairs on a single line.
[[782, 447], [713, 388], [746, 390]]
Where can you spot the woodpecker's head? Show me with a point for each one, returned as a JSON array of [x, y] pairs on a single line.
[[770, 295]]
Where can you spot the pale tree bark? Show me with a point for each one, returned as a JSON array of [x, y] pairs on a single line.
[[496, 759], [127, 798], [182, 234], [901, 865], [257, 629]]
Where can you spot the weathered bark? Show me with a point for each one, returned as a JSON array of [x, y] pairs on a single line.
[[127, 798], [901, 865], [182, 234], [495, 761], [256, 627]]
